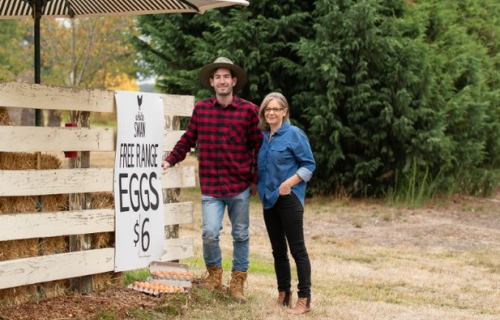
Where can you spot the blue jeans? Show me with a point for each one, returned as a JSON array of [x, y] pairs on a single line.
[[213, 212]]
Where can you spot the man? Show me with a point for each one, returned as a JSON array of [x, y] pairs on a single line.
[[226, 130]]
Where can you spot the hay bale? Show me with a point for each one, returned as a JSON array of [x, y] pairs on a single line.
[[53, 289], [19, 295], [107, 280], [55, 202], [26, 204], [103, 280], [52, 245], [21, 204], [104, 200], [18, 249], [4, 117], [26, 161], [10, 250]]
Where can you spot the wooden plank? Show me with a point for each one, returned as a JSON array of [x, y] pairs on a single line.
[[178, 105], [24, 95], [31, 139], [62, 181], [178, 248], [171, 195], [20, 272], [19, 226], [178, 213], [53, 224], [170, 138]]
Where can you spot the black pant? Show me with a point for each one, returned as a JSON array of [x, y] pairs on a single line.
[[285, 222]]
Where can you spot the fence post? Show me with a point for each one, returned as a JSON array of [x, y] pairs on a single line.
[[80, 201], [171, 195]]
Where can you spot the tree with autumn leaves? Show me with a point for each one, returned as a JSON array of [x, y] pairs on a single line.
[[87, 52], [12, 45], [83, 53]]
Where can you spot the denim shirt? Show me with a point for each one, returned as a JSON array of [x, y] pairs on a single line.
[[286, 154]]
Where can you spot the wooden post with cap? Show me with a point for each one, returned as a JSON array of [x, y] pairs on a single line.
[[171, 195], [80, 201]]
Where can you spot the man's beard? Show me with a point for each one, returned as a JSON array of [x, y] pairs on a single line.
[[224, 93]]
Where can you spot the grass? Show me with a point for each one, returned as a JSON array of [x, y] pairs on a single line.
[[404, 259], [413, 188], [136, 275], [369, 261]]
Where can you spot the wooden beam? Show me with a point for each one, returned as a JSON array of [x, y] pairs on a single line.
[[170, 138], [62, 181], [21, 272], [17, 226], [52, 224], [177, 249], [24, 95], [171, 195], [178, 105], [31, 139], [178, 213]]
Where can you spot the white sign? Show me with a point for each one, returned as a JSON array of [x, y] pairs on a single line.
[[139, 232]]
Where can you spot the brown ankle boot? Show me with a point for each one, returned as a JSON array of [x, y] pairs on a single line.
[[284, 299], [213, 280], [303, 305], [238, 280]]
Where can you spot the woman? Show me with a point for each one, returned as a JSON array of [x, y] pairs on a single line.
[[285, 164]]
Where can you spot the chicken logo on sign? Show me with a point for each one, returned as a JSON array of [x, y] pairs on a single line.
[[139, 124]]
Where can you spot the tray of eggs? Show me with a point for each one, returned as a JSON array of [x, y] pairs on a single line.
[[155, 287], [174, 275], [171, 273]]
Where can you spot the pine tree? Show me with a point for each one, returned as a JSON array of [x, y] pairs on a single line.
[[383, 88], [367, 112], [259, 38]]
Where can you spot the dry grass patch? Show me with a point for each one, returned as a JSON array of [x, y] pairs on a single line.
[[369, 262], [428, 263]]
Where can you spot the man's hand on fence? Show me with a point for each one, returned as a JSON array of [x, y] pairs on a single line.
[[165, 165]]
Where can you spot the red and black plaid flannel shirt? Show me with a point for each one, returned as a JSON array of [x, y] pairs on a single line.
[[228, 143]]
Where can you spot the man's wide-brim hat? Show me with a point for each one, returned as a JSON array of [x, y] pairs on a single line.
[[222, 62]]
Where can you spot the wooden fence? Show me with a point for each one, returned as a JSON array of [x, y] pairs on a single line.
[[18, 226]]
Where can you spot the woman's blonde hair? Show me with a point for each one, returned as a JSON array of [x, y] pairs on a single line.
[[281, 100]]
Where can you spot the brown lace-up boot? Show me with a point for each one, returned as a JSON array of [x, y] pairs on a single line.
[[284, 299], [303, 306], [213, 280], [238, 279]]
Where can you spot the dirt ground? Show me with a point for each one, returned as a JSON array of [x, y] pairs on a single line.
[[461, 224], [75, 306]]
